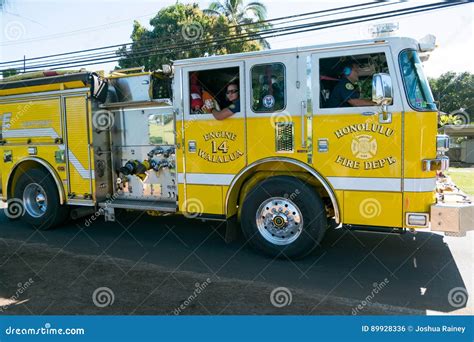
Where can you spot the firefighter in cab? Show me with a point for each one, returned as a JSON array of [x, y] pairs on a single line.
[[346, 92]]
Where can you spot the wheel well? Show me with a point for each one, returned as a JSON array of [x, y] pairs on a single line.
[[26, 165], [257, 172]]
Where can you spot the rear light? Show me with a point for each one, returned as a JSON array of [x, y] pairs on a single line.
[[417, 220]]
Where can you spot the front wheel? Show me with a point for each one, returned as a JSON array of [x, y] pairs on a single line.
[[37, 192], [283, 217]]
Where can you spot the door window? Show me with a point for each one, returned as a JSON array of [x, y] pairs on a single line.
[[268, 87], [214, 89], [346, 81]]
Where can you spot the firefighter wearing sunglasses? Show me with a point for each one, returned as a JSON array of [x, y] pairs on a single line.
[[232, 95]]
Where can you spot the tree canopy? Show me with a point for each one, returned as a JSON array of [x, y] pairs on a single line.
[[454, 91], [247, 18], [183, 31]]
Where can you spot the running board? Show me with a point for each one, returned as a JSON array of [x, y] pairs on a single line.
[[369, 229], [168, 207]]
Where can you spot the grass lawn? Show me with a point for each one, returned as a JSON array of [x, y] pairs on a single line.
[[463, 178]]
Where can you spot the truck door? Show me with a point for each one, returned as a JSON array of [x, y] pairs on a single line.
[[214, 150], [276, 122], [356, 147]]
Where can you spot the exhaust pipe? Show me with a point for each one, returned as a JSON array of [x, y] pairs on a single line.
[[81, 212]]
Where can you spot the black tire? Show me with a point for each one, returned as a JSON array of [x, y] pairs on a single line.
[[293, 192], [54, 213]]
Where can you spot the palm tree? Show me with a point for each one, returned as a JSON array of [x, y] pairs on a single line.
[[238, 14]]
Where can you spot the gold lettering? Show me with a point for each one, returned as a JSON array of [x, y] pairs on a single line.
[[351, 164], [222, 134], [220, 159], [376, 128]]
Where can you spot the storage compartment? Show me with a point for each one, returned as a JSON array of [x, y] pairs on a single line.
[[143, 154]]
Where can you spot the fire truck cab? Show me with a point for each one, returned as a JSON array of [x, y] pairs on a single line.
[[287, 161]]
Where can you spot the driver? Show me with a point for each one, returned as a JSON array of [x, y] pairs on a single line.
[[346, 92]]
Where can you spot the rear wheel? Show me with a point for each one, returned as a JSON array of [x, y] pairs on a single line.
[[283, 216], [37, 192]]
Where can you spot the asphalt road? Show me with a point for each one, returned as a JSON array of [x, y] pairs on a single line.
[[420, 270]]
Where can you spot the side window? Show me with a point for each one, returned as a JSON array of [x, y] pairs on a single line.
[[346, 81], [268, 87], [214, 89]]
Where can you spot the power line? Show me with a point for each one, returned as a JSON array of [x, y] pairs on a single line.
[[247, 37], [151, 43], [232, 26], [265, 34], [146, 45], [144, 50], [71, 33]]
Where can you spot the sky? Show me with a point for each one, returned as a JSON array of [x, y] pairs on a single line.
[[34, 28]]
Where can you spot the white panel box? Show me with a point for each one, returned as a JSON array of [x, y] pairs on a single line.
[[452, 218]]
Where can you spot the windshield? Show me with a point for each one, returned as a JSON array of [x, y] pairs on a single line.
[[415, 82]]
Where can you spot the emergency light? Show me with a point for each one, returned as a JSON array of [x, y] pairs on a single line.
[[383, 30]]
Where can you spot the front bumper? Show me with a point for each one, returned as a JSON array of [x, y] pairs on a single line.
[[453, 219]]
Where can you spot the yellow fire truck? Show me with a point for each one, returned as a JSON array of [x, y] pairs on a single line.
[[281, 167]]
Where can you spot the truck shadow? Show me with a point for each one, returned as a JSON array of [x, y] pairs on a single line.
[[415, 271]]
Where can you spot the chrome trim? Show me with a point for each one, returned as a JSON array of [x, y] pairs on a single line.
[[80, 202], [442, 143], [303, 131], [284, 131], [440, 163], [427, 220], [402, 153], [279, 221], [89, 145], [50, 170], [387, 119], [382, 90], [309, 108], [168, 207], [306, 167], [35, 200], [157, 103], [66, 143]]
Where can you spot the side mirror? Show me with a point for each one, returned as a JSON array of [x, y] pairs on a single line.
[[382, 93]]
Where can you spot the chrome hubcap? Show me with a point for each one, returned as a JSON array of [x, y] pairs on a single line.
[[279, 220], [35, 200]]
